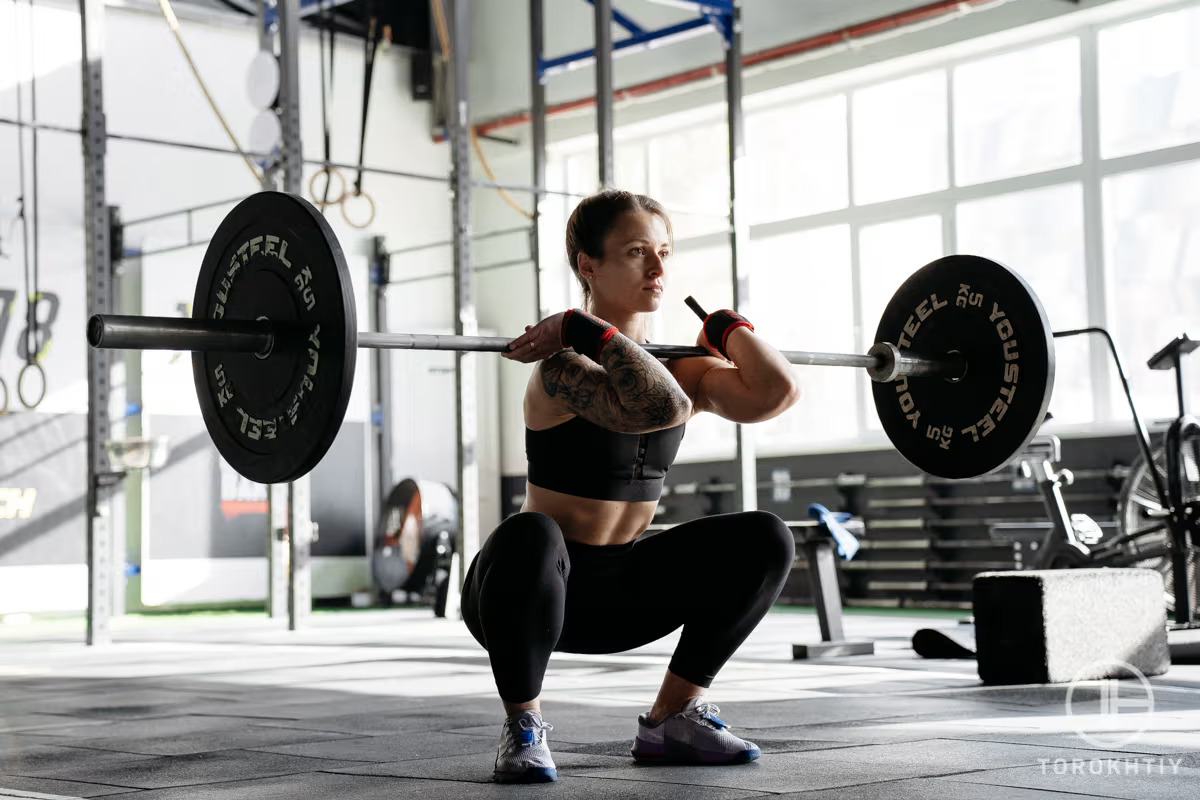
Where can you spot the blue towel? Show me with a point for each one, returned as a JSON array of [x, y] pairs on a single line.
[[847, 543]]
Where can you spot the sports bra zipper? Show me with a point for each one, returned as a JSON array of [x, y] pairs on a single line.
[[639, 463]]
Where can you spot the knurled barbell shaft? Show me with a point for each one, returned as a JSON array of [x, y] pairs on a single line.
[[117, 332], [497, 344]]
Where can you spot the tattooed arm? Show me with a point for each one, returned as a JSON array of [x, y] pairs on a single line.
[[628, 391]]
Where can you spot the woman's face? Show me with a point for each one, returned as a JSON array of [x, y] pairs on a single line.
[[631, 276]]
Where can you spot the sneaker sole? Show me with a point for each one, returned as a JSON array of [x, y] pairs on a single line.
[[744, 757], [530, 775]]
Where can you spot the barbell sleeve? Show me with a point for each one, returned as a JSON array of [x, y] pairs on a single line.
[[885, 362], [118, 332]]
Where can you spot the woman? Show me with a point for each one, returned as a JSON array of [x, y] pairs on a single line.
[[604, 420]]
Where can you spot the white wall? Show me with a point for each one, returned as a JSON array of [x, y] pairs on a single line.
[[149, 91]]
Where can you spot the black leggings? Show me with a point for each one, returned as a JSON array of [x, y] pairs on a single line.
[[530, 592]]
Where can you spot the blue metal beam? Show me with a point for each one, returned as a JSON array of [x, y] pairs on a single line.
[[624, 21], [634, 44]]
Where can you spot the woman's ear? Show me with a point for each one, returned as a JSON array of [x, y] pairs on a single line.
[[587, 266]]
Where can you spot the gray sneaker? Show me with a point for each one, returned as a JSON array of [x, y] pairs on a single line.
[[524, 754], [695, 735]]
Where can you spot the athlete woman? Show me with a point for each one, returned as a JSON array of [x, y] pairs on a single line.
[[604, 420]]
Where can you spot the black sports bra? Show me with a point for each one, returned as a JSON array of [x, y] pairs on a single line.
[[580, 458]]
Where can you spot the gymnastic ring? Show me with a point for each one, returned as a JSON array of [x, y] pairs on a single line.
[[21, 385], [370, 201], [4, 394], [312, 184]]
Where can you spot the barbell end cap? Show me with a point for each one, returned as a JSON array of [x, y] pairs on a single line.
[[268, 348], [95, 330], [887, 364]]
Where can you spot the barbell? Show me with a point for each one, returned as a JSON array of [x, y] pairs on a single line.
[[274, 340]]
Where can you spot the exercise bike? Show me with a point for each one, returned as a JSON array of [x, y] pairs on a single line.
[[1159, 506]]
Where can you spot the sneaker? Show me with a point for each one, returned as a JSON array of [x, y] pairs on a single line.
[[695, 735], [524, 754]]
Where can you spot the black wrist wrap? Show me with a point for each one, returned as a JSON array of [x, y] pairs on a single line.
[[719, 324], [586, 334]]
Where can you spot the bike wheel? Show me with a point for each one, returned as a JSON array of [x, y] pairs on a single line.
[[1139, 509]]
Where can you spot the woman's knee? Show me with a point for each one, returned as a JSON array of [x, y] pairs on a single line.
[[517, 592], [526, 550], [769, 537]]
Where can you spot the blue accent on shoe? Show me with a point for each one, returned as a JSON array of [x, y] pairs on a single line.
[[530, 775], [748, 755], [527, 737]]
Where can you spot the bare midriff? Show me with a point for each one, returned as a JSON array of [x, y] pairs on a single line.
[[588, 521]]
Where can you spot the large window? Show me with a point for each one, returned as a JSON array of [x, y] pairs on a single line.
[[1017, 113], [797, 160], [1150, 83], [899, 139], [1073, 159], [1152, 238], [690, 175]]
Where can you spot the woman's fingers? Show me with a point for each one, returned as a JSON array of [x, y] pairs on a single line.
[[524, 348], [535, 343]]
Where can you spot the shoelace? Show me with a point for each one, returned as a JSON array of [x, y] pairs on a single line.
[[540, 725], [707, 712]]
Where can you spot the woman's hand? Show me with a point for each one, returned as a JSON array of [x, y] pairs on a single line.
[[702, 341], [538, 342]]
